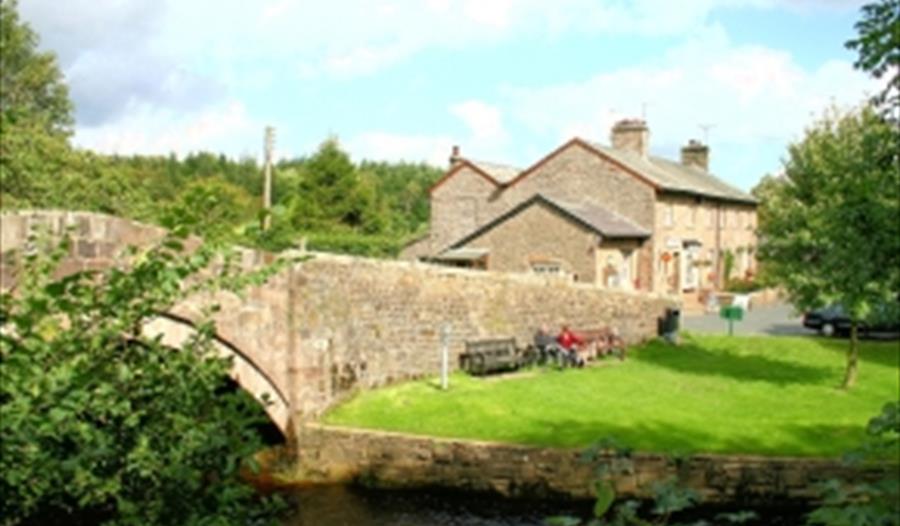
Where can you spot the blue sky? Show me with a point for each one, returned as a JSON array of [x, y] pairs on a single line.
[[507, 80]]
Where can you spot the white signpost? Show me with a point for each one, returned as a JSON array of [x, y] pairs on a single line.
[[445, 355]]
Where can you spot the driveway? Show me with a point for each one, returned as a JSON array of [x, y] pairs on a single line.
[[776, 319]]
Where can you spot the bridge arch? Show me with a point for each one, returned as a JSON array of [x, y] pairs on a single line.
[[174, 331]]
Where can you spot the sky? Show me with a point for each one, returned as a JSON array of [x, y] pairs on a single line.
[[506, 80]]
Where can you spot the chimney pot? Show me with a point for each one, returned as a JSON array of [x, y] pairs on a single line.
[[631, 135], [454, 155]]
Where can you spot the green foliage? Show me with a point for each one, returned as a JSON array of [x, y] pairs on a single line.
[[101, 424], [875, 503], [356, 244], [331, 193], [727, 264], [611, 461], [831, 233], [878, 45], [35, 111], [367, 209], [210, 208]]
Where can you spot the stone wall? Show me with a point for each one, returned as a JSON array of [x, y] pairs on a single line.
[[459, 205], [365, 323], [394, 460], [539, 233]]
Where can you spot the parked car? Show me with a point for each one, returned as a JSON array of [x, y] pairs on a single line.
[[834, 321]]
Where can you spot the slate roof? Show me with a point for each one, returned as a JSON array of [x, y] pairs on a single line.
[[676, 177], [606, 223], [501, 173]]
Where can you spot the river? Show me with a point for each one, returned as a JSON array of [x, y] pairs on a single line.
[[354, 506]]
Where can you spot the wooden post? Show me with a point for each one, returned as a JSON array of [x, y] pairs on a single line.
[[269, 144]]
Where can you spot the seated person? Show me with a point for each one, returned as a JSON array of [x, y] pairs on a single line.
[[546, 345], [570, 341]]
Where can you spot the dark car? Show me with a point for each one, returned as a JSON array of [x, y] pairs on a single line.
[[833, 320]]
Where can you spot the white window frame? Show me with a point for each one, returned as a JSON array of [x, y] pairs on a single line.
[[669, 215]]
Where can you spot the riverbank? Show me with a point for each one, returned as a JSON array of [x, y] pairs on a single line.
[[391, 460]]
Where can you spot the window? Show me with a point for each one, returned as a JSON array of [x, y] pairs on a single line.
[[669, 216], [692, 215], [546, 267], [711, 217]]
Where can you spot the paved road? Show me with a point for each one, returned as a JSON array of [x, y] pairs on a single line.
[[777, 319]]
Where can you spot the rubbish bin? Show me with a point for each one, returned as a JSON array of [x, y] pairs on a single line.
[[670, 323], [673, 320]]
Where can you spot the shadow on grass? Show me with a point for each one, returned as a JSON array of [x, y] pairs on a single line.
[[886, 353], [691, 358], [799, 440]]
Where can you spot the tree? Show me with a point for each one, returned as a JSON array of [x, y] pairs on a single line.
[[35, 110], [878, 45], [333, 195], [211, 207], [831, 233], [101, 424]]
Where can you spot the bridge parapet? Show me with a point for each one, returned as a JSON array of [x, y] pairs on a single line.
[[323, 329]]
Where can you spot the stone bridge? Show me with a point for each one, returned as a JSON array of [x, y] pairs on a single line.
[[321, 329]]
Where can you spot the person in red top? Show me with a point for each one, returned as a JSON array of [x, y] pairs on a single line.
[[570, 341]]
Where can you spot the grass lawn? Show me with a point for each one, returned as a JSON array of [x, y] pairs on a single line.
[[716, 394]]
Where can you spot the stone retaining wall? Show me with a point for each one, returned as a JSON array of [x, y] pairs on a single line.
[[365, 323], [395, 460]]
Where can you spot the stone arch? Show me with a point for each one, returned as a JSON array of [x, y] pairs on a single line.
[[175, 331]]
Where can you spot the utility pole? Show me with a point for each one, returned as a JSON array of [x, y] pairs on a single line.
[[268, 145]]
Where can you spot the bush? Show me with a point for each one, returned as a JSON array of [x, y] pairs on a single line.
[[354, 244], [103, 425]]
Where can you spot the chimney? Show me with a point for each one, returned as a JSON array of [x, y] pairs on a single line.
[[695, 154], [454, 156], [631, 135]]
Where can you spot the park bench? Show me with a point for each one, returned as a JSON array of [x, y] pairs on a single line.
[[488, 356], [601, 342]]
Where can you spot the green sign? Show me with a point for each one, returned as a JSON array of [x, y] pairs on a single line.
[[732, 314]]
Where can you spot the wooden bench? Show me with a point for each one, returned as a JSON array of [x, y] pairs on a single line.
[[601, 342], [488, 356]]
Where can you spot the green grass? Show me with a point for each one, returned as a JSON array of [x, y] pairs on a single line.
[[716, 394]]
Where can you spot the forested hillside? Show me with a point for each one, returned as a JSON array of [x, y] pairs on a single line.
[[369, 208]]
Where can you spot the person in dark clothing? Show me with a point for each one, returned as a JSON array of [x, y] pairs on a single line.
[[546, 345]]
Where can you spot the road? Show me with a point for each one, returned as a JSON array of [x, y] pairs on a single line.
[[776, 319]]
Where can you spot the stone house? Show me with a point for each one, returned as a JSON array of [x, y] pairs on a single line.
[[614, 216]]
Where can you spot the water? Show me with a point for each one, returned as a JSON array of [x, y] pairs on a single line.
[[354, 506], [351, 506]]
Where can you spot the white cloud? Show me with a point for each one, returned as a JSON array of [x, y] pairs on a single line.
[[748, 92], [751, 95], [483, 120], [486, 138], [146, 130]]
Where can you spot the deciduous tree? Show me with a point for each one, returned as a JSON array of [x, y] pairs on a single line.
[[35, 110], [831, 233], [878, 45]]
